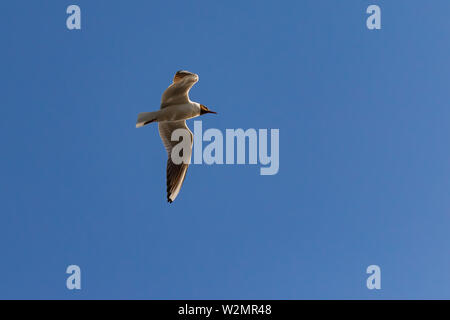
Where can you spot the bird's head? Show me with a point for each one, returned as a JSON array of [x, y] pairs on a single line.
[[185, 76], [204, 110]]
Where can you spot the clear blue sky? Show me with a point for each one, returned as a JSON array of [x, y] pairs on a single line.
[[364, 176]]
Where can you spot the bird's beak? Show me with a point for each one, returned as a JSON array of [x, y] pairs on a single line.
[[209, 111]]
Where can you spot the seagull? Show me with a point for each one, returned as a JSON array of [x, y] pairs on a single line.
[[176, 107]]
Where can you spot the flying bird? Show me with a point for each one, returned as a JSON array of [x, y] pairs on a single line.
[[176, 107]]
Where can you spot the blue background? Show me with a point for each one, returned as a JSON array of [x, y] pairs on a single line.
[[364, 122]]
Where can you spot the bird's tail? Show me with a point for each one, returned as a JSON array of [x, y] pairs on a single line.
[[145, 118]]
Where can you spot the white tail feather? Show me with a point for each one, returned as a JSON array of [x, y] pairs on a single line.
[[146, 117]]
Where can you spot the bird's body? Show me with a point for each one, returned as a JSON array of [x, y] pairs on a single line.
[[170, 113], [176, 107]]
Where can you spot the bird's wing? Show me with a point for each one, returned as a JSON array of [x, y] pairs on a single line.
[[175, 172], [178, 91]]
